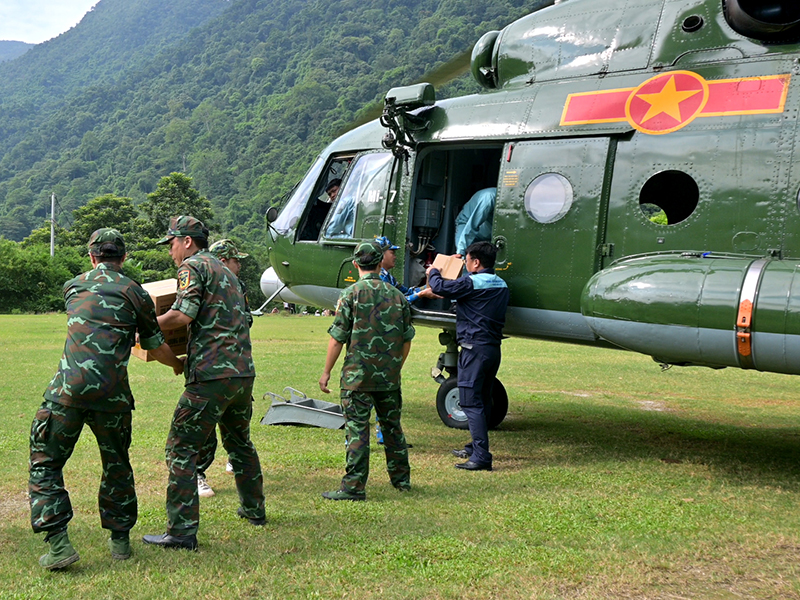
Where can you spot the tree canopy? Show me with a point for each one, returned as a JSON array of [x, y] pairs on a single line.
[[242, 102]]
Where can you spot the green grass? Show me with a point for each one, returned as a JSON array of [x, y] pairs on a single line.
[[612, 480]]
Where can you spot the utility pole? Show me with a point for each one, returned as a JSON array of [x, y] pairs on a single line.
[[52, 224]]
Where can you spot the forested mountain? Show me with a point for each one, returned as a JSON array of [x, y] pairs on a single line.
[[11, 50], [115, 37], [241, 103]]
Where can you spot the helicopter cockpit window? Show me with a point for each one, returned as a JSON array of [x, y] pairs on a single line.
[[669, 197], [548, 197], [325, 194], [293, 210], [363, 189]]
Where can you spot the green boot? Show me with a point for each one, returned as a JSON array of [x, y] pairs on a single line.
[[61, 554], [120, 548], [344, 495]]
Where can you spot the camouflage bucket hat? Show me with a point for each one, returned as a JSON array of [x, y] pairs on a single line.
[[106, 242], [368, 254], [184, 226], [225, 249]]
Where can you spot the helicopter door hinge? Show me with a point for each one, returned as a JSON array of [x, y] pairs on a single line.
[[606, 249]]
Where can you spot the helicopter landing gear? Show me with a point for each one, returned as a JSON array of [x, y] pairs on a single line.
[[450, 411], [447, 397]]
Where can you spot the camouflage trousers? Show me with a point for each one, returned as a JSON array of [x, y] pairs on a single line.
[[200, 408], [54, 433], [208, 452], [357, 407]]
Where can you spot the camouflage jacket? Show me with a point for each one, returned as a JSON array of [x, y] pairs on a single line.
[[373, 319], [219, 337], [104, 310]]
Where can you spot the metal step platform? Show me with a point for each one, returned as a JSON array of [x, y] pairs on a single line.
[[299, 409]]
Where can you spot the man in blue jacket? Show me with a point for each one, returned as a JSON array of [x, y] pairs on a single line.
[[481, 314]]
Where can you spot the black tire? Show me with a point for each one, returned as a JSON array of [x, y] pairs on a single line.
[[451, 414], [499, 405], [447, 405]]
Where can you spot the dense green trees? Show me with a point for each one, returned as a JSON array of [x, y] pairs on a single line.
[[12, 50], [30, 280], [242, 103]]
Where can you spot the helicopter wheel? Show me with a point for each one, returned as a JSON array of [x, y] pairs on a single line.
[[450, 410]]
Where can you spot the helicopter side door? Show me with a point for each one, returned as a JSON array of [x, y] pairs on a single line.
[[548, 224]]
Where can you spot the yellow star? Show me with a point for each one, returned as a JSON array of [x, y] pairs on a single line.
[[668, 101]]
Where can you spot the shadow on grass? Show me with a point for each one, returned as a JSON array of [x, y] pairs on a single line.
[[594, 434]]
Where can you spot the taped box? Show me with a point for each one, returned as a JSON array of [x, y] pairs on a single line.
[[163, 295], [449, 266]]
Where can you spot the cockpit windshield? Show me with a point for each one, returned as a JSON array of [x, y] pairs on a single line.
[[293, 210]]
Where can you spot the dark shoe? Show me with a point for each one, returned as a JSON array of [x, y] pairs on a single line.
[[184, 542], [253, 521], [120, 548], [473, 466], [403, 487], [461, 454], [61, 553], [343, 495]]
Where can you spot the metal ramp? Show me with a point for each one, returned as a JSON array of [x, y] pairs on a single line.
[[299, 409]]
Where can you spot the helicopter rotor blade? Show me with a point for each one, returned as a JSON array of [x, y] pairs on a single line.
[[439, 76]]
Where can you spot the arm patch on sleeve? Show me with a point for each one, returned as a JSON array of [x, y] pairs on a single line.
[[183, 279]]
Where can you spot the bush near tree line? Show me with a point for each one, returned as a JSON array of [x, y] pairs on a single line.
[[32, 281]]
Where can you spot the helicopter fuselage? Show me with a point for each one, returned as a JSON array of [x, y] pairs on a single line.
[[647, 185]]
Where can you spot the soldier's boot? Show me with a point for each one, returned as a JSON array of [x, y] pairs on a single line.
[[344, 495], [61, 553], [120, 546]]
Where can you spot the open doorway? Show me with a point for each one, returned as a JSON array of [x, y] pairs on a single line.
[[445, 180]]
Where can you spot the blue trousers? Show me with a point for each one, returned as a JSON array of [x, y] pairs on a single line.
[[477, 369]]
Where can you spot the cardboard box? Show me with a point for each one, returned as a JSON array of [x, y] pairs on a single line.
[[449, 266], [163, 295]]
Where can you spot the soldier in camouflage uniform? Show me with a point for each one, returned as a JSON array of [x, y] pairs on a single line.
[[374, 320], [219, 383], [105, 310], [225, 251]]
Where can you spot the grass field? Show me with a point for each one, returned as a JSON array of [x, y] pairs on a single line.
[[612, 480]]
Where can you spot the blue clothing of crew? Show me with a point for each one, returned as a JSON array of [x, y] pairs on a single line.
[[474, 222], [343, 220], [481, 309], [411, 294], [480, 317]]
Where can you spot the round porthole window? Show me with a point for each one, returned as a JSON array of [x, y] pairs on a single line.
[[548, 197], [669, 197]]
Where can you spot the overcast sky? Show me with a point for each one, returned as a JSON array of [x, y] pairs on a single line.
[[35, 21]]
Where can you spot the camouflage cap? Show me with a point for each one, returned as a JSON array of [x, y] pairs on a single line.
[[184, 226], [107, 242], [386, 243], [225, 249], [368, 254]]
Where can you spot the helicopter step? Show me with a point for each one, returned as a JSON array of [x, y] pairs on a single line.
[[299, 409]]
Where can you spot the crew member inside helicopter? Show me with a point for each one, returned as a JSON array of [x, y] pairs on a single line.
[[474, 222], [343, 220], [319, 210]]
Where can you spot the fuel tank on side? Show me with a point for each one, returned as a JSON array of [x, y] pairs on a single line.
[[271, 283], [700, 309]]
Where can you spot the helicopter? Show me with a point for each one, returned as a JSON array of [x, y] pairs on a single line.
[[644, 154]]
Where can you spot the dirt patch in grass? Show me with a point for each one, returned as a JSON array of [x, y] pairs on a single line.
[[13, 505]]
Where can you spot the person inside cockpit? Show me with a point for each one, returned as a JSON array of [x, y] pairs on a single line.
[[319, 210], [343, 221]]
